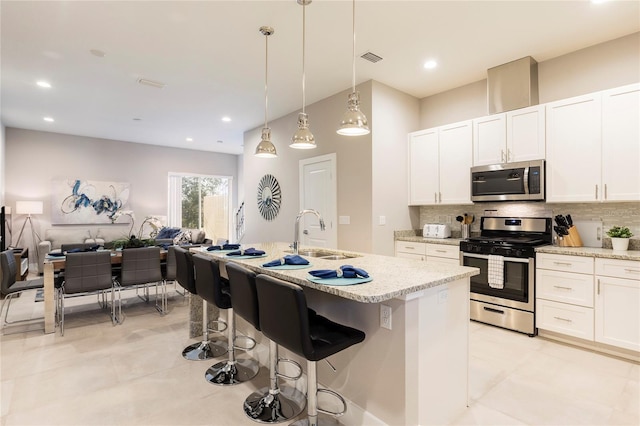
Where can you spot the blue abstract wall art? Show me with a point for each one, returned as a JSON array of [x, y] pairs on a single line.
[[76, 201]]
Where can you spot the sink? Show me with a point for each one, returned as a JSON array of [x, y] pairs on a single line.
[[323, 254]]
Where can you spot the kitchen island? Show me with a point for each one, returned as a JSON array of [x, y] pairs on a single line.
[[412, 374]]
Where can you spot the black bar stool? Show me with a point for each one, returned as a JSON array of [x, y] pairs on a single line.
[[272, 404], [215, 290], [286, 319], [185, 276]]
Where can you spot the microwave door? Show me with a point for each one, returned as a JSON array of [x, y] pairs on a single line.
[[499, 182]]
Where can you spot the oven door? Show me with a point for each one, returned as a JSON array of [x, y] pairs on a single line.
[[518, 291]]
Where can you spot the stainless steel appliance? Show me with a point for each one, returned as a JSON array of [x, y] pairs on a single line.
[[510, 241], [519, 181]]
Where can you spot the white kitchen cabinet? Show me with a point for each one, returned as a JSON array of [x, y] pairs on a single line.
[[593, 148], [443, 253], [517, 135], [621, 144], [574, 140], [439, 164], [617, 303], [424, 175], [411, 250]]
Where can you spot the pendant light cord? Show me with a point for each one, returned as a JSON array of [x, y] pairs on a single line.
[[266, 74], [353, 81], [304, 20]]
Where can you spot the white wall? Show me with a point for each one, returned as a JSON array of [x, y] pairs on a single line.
[[34, 159], [606, 65], [394, 115], [2, 165], [353, 169]]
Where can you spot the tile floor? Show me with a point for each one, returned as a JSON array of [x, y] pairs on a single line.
[[133, 374]]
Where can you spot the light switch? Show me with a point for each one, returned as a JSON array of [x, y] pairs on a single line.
[[344, 220], [382, 220]]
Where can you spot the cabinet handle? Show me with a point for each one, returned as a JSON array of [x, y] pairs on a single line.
[[410, 248], [563, 319], [444, 251], [598, 285], [508, 155], [439, 197], [564, 288], [596, 192], [605, 191], [562, 263], [502, 155], [435, 197], [632, 271]]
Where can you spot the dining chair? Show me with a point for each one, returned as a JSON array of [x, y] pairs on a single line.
[[141, 268], [85, 273], [10, 287]]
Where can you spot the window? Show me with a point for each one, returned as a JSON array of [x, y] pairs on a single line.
[[200, 201]]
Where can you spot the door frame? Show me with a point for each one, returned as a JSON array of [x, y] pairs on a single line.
[[331, 220]]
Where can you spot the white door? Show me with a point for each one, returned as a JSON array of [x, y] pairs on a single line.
[[318, 191], [489, 140], [525, 134], [456, 145], [423, 167], [617, 312]]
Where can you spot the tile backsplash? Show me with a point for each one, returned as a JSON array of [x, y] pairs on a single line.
[[621, 214]]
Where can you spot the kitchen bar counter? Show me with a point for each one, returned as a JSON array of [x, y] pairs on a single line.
[[413, 373], [591, 252]]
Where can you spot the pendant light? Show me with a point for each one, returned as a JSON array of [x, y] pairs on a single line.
[[354, 122], [266, 149], [303, 138]]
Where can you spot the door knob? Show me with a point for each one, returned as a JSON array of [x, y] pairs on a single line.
[[305, 232]]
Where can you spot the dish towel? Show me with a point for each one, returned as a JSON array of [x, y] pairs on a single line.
[[345, 271], [248, 252], [495, 271], [224, 247], [290, 259]]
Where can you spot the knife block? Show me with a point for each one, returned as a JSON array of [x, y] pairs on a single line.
[[571, 240]]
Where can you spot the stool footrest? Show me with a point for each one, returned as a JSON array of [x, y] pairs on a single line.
[[290, 361], [337, 395], [251, 343], [221, 329]]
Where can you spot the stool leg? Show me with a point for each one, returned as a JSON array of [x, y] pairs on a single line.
[[205, 349], [274, 404], [312, 418], [233, 371]]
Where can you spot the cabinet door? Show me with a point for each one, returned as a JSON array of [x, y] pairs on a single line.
[[489, 140], [526, 134], [617, 312], [621, 143], [423, 167], [574, 141], [455, 163]]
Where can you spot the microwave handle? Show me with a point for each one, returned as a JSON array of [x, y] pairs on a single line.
[[486, 256], [526, 180]]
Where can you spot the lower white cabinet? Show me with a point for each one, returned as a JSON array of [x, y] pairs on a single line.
[[617, 303], [411, 250], [592, 299], [442, 253]]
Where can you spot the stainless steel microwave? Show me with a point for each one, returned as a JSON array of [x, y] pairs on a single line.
[[508, 182]]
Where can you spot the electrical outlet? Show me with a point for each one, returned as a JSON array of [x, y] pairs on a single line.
[[385, 316]]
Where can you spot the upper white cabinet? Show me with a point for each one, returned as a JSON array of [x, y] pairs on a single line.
[[439, 163], [593, 147], [621, 143], [509, 137]]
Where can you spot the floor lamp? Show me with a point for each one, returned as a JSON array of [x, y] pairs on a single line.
[[29, 208]]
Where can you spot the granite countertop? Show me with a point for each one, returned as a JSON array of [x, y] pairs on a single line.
[[392, 276], [415, 236], [605, 253]]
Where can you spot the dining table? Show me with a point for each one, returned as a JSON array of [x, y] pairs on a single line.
[[53, 264]]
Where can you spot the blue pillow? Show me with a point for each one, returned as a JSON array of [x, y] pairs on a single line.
[[168, 233]]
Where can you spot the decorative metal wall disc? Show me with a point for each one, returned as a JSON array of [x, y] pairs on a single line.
[[269, 197]]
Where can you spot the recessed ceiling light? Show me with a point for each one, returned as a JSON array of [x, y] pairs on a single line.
[[189, 139], [226, 119], [98, 53], [431, 64], [44, 84], [48, 119]]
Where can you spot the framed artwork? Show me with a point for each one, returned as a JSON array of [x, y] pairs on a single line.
[[76, 201], [269, 197]]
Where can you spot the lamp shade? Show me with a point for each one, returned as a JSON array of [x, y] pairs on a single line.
[[29, 207]]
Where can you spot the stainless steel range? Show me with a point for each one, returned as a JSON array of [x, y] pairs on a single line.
[[504, 292]]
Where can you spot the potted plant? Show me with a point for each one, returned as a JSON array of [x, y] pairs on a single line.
[[620, 237]]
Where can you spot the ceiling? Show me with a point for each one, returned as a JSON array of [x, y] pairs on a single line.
[[211, 57]]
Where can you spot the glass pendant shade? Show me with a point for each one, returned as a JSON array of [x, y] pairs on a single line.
[[303, 138], [266, 149], [354, 122]]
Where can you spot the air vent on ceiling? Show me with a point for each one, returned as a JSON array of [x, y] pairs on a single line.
[[371, 57], [151, 83]]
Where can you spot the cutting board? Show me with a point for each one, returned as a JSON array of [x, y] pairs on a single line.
[[590, 232]]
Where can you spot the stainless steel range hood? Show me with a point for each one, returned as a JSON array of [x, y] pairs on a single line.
[[512, 85]]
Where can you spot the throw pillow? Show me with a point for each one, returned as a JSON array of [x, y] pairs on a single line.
[[166, 232], [183, 237]]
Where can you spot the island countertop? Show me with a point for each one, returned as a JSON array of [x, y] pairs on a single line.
[[392, 276]]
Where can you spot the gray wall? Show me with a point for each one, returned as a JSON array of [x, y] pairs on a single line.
[[34, 158]]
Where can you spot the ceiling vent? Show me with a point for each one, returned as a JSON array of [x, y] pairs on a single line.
[[371, 57], [151, 83]]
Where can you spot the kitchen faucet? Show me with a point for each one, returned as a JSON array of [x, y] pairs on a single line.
[[296, 232]]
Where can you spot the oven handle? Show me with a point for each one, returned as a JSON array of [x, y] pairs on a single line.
[[506, 259]]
